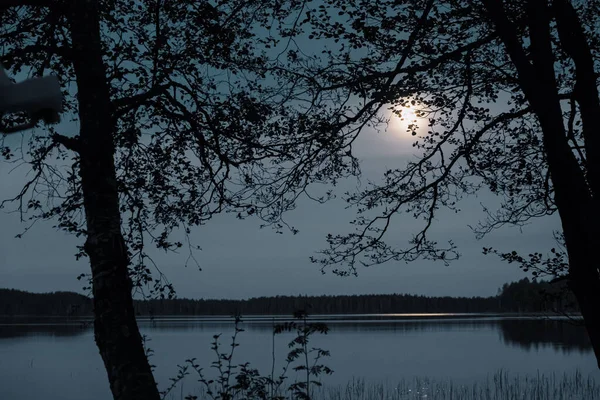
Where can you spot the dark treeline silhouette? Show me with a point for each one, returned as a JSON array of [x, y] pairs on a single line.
[[521, 296], [354, 304], [18, 302], [535, 296]]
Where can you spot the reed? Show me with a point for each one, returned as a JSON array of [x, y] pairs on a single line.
[[501, 386]]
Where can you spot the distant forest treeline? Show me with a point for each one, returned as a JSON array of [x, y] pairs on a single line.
[[521, 296]]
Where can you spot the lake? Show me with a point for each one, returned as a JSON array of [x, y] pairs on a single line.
[[57, 359]]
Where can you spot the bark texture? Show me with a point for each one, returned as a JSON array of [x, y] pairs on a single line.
[[116, 332]]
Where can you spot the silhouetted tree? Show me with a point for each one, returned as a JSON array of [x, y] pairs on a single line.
[[511, 95], [183, 113]]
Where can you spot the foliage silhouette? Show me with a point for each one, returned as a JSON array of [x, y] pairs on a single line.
[[184, 112], [508, 92], [242, 382]]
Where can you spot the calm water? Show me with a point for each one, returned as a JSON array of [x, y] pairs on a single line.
[[57, 359]]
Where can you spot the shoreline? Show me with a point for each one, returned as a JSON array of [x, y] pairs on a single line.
[[315, 317]]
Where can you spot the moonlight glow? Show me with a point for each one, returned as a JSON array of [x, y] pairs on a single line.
[[404, 120]]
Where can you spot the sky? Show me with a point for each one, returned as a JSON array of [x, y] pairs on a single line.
[[240, 260]]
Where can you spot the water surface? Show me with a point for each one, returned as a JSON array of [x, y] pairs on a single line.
[[57, 359]]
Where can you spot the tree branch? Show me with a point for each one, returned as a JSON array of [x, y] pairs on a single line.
[[27, 50], [452, 55], [157, 42], [125, 104], [508, 35], [69, 143], [5, 4]]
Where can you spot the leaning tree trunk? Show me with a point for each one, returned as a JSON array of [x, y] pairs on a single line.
[[576, 192], [584, 278], [575, 189], [116, 332]]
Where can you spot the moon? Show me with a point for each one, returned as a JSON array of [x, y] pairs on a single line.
[[404, 121]]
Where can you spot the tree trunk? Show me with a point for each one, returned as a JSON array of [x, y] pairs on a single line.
[[577, 204], [116, 332], [583, 267]]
